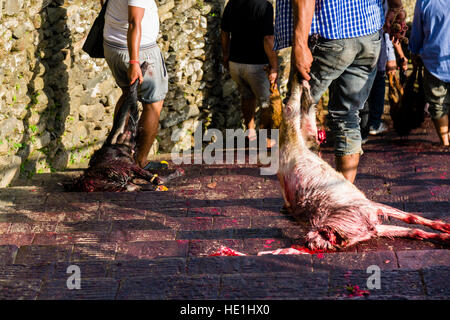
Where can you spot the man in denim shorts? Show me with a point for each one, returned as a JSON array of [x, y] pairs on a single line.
[[130, 33], [345, 59], [430, 41], [247, 47]]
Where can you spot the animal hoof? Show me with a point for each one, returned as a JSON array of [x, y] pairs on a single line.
[[133, 187], [286, 209]]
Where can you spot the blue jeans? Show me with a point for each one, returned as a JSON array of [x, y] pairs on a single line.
[[374, 107], [348, 68]]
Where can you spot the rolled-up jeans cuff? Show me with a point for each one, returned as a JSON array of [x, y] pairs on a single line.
[[341, 154], [349, 143]]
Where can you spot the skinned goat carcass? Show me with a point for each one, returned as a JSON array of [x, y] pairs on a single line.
[[113, 167], [338, 214]]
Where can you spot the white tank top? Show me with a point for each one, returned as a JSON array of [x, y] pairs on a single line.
[[116, 21]]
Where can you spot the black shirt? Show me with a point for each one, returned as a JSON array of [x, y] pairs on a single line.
[[248, 21]]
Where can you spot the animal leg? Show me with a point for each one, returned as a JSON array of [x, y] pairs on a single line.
[[359, 239], [287, 205], [308, 123], [141, 173], [132, 187], [394, 93], [415, 219], [395, 231], [124, 138], [179, 172]]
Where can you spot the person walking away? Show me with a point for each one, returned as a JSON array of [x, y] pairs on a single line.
[[344, 59], [247, 36], [130, 33], [430, 43], [371, 114]]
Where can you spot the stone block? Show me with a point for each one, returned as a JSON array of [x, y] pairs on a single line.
[[274, 286], [19, 289], [12, 7], [91, 289], [417, 259], [9, 169]]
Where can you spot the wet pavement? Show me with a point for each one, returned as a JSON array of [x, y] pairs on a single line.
[[158, 245]]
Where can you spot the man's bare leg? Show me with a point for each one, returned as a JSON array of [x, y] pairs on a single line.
[[248, 110], [441, 126], [348, 166], [147, 130]]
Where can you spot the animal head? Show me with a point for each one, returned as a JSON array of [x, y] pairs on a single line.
[[324, 239]]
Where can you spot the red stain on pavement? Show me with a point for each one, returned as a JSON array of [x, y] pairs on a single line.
[[309, 251], [355, 291], [268, 243], [225, 251]]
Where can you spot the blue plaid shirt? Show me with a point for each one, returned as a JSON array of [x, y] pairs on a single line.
[[333, 19]]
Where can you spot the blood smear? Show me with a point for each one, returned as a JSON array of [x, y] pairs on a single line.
[[293, 250], [355, 291], [282, 251], [225, 251], [321, 135]]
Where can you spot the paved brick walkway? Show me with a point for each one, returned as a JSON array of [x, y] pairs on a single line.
[[156, 245]]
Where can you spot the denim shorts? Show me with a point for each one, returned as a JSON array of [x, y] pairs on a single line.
[[437, 94], [348, 68], [252, 81], [155, 85]]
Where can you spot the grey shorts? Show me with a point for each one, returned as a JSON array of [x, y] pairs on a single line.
[[155, 85], [252, 81], [437, 94]]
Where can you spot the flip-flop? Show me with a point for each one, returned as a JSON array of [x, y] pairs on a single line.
[[154, 165]]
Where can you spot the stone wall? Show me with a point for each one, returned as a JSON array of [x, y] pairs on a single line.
[[56, 103]]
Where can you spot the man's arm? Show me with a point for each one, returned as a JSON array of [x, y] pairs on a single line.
[[395, 4], [225, 40], [401, 56], [273, 58], [391, 63], [135, 15], [303, 15]]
